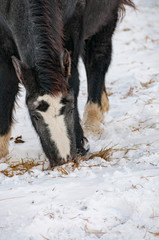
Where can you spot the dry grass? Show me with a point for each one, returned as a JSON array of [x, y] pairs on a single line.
[[107, 154], [126, 29], [19, 168], [44, 237], [19, 140], [95, 232], [130, 93], [155, 234], [152, 80], [103, 153], [62, 170]]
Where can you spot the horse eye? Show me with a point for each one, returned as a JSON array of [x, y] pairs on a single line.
[[43, 106]]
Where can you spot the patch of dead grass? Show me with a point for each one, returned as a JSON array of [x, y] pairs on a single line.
[[130, 93], [95, 232], [62, 170], [106, 154], [152, 80], [19, 168]]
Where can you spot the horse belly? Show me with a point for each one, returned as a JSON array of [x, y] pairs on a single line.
[[98, 14], [67, 8]]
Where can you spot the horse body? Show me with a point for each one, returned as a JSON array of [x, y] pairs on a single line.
[[43, 73], [39, 31]]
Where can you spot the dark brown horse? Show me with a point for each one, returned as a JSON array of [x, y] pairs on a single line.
[[36, 40]]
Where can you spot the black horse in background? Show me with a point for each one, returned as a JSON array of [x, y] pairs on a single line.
[[40, 45]]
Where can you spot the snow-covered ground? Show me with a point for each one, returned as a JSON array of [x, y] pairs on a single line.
[[110, 198]]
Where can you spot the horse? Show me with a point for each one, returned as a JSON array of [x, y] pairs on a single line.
[[40, 45]]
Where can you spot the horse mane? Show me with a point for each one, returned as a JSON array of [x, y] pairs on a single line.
[[7, 44], [122, 6], [47, 34]]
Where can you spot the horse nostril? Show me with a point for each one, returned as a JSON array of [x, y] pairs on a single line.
[[82, 151]]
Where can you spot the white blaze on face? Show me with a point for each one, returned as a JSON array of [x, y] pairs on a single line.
[[56, 123]]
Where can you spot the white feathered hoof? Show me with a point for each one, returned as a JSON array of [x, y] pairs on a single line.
[[92, 118], [4, 145]]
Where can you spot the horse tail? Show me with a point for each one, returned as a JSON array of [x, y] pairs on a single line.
[[122, 8], [128, 3]]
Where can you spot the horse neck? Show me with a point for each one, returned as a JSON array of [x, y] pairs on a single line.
[[37, 29]]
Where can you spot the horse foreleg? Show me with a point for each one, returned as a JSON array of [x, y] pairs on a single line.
[[97, 58], [8, 91], [74, 83]]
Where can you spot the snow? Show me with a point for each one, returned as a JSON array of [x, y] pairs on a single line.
[[116, 198]]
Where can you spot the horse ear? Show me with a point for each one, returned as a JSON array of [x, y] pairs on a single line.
[[20, 69], [66, 62], [24, 74]]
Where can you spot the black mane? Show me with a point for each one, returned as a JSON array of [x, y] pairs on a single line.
[[47, 34]]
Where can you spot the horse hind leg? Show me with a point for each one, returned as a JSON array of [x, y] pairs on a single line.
[[97, 58], [8, 91]]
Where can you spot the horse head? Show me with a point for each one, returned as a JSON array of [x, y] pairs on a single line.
[[52, 115]]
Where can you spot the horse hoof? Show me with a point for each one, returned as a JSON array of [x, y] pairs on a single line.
[[93, 129], [92, 118], [3, 152], [4, 144]]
